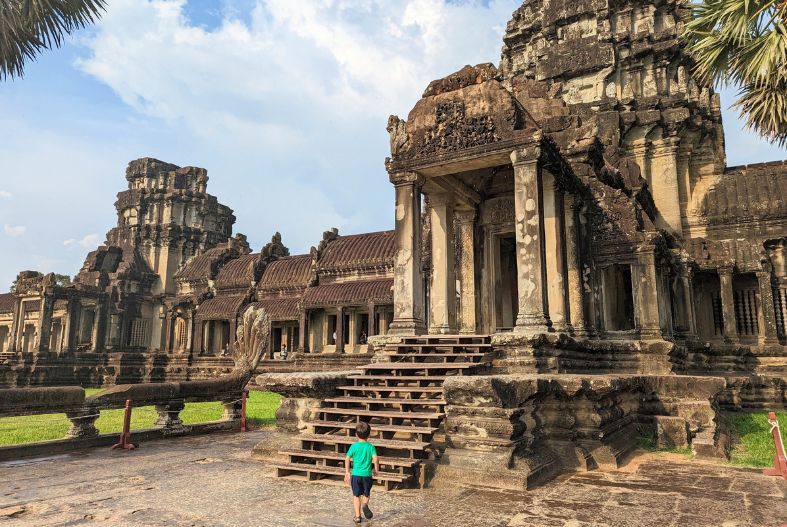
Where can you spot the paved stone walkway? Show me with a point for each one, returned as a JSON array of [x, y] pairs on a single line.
[[211, 481]]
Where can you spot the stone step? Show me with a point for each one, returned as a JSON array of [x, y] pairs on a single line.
[[422, 358], [427, 348], [400, 378], [346, 426], [312, 473], [386, 400], [447, 339], [404, 366], [405, 462], [394, 444], [390, 415], [394, 389]]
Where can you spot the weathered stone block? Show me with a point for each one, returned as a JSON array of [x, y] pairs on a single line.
[[671, 432]]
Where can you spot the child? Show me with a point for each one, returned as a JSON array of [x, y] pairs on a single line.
[[363, 456]]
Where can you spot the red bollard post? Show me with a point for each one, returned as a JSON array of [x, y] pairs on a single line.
[[243, 397], [125, 437], [780, 459]]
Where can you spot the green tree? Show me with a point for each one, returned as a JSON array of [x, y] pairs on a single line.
[[27, 27], [743, 43]]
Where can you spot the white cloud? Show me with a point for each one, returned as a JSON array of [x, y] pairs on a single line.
[[14, 230], [295, 66], [89, 241], [5, 194]]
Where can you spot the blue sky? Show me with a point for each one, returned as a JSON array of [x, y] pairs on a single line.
[[285, 102]]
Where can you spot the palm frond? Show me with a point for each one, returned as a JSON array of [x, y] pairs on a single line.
[[744, 43], [27, 27]]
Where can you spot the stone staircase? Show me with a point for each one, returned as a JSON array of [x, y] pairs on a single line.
[[401, 397]]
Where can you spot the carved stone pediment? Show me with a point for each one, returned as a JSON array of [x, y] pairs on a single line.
[[464, 111]]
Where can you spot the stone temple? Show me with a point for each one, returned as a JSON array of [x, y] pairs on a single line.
[[568, 215]]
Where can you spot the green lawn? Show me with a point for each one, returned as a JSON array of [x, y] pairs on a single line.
[[752, 439], [260, 411]]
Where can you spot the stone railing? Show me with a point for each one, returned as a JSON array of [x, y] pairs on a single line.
[[169, 399], [302, 394], [518, 431]]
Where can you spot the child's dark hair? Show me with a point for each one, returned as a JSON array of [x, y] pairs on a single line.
[[362, 430]]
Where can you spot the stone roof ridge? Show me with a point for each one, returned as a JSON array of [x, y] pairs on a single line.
[[467, 76], [275, 248], [316, 252]]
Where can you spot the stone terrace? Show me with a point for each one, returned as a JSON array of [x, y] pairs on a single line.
[[212, 481]]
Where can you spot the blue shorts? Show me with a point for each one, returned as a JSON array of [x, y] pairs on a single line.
[[361, 485]]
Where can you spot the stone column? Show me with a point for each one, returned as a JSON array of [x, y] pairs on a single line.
[[768, 332], [442, 291], [198, 335], [303, 320], [18, 326], [340, 329], [99, 326], [554, 245], [189, 333], [45, 323], [687, 303], [370, 327], [684, 176], [73, 324], [664, 183], [646, 300], [466, 222], [576, 308], [408, 275], [532, 317], [167, 342], [728, 304], [233, 330]]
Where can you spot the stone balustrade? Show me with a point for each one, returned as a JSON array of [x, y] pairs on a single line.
[[168, 398], [301, 393]]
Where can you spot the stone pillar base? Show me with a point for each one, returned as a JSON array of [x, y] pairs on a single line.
[[407, 327], [531, 325], [442, 330]]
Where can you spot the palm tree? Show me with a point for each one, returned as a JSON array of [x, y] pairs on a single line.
[[29, 26], [743, 43]]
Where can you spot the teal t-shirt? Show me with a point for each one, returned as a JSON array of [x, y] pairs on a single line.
[[362, 453]]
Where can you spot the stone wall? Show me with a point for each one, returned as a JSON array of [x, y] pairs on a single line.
[[517, 431]]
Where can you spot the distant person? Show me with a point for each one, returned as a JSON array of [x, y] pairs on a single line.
[[284, 351], [364, 465], [362, 339]]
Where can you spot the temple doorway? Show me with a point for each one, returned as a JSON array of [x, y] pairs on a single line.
[[506, 287]]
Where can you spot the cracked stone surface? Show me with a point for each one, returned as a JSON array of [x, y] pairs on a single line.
[[213, 481]]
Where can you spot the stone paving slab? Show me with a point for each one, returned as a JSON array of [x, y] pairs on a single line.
[[212, 481]]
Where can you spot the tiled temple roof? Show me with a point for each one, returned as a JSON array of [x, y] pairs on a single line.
[[7, 302], [350, 293], [747, 192], [279, 308], [290, 271], [359, 250], [200, 266], [221, 308], [237, 273]]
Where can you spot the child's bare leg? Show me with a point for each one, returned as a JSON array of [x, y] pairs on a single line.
[[365, 500], [357, 506]]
